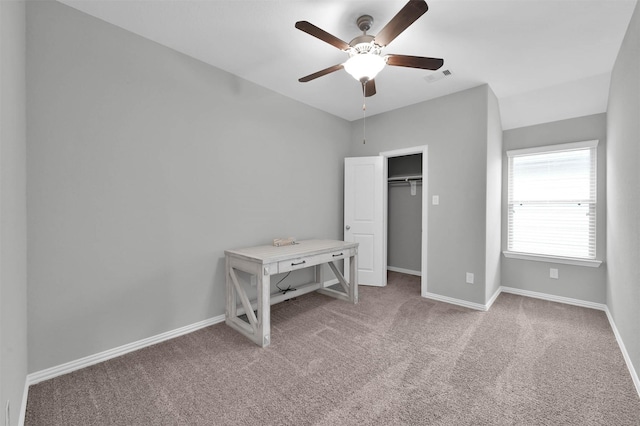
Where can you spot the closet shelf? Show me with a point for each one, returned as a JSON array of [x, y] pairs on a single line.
[[405, 178]]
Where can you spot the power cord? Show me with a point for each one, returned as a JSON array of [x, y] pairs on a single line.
[[284, 290]]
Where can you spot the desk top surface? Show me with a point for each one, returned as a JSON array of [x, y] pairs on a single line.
[[269, 253]]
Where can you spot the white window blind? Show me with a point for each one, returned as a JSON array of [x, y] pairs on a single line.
[[552, 200]]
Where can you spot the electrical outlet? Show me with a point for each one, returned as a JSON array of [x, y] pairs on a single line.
[[469, 278], [553, 273]]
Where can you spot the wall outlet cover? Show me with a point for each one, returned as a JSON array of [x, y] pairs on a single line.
[[469, 278]]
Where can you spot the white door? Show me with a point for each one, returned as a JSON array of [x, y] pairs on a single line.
[[363, 216]]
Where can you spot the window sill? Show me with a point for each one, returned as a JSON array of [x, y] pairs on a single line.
[[552, 259]]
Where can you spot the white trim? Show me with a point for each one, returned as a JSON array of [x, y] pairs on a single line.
[[585, 304], [552, 148], [23, 406], [459, 302], [404, 271], [106, 355], [493, 298], [424, 150], [87, 361], [553, 298], [68, 367], [425, 220], [404, 151], [519, 292], [552, 259], [528, 198], [329, 283], [625, 354]]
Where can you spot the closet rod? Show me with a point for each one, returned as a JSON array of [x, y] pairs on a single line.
[[405, 178], [402, 182]]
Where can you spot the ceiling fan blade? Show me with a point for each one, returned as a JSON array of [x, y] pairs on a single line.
[[321, 34], [415, 62], [407, 16], [369, 88], [321, 73]]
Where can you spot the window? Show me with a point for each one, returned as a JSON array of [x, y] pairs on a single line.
[[552, 201]]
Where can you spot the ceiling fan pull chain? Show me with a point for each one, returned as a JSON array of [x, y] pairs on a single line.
[[364, 113]]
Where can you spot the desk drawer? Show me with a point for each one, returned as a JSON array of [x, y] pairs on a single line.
[[307, 261]]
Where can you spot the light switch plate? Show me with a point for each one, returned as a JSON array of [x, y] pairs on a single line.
[[553, 273], [435, 200]]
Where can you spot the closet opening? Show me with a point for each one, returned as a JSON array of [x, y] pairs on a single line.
[[406, 216]]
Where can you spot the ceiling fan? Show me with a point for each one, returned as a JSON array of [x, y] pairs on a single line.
[[365, 51]]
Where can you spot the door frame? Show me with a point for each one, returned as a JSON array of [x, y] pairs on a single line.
[[424, 150]]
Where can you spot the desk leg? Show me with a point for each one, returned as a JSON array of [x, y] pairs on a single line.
[[255, 328], [231, 311], [263, 335], [319, 275], [350, 289], [353, 275]]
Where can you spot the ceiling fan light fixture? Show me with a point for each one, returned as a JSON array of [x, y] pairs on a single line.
[[364, 66], [365, 51]]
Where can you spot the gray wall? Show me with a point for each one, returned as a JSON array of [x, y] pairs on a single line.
[[13, 231], [623, 199], [404, 245], [144, 165], [577, 282], [455, 129], [494, 196], [404, 215]]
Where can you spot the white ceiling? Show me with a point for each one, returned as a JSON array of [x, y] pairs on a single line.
[[544, 60]]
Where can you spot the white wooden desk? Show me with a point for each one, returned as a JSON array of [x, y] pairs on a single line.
[[264, 261]]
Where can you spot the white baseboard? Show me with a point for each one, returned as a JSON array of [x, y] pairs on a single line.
[[493, 298], [625, 354], [23, 406], [519, 292], [459, 302], [585, 304], [404, 271], [52, 372], [331, 282], [68, 367], [553, 298]]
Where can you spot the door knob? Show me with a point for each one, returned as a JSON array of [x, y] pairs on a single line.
[[348, 227]]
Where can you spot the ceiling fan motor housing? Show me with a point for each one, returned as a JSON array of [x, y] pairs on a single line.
[[364, 44], [364, 23]]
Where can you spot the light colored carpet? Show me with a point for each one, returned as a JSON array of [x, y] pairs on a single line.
[[395, 358]]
